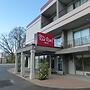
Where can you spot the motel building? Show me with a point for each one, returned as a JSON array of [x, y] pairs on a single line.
[[60, 34]]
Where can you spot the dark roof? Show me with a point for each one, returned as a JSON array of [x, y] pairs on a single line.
[[33, 21]]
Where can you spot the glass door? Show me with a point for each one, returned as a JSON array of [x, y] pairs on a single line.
[[60, 63], [53, 64]]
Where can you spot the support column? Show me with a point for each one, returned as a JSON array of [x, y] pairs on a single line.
[[22, 64], [71, 65], [57, 9], [32, 68], [83, 65], [50, 65], [64, 39], [28, 62], [16, 63]]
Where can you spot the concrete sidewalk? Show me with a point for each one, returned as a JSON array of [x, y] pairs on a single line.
[[62, 82]]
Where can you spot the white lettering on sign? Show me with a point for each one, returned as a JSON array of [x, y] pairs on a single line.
[[45, 39]]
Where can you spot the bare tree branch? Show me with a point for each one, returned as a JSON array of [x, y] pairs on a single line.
[[18, 34]]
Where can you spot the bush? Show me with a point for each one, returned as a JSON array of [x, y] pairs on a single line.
[[43, 71]]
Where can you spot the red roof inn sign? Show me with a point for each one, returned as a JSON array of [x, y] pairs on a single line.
[[45, 39]]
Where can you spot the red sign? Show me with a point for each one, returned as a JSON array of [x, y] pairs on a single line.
[[45, 39]]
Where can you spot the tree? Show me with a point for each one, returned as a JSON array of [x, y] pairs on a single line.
[[12, 41], [18, 35], [7, 46]]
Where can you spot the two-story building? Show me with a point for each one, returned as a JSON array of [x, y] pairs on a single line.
[[69, 22]]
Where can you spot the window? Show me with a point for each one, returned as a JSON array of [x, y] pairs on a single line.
[[70, 8], [85, 32], [58, 41], [78, 62], [59, 64], [85, 36], [54, 18], [82, 62], [75, 5], [86, 61], [77, 39], [82, 37], [83, 1], [35, 38]]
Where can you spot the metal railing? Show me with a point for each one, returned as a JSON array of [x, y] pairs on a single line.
[[78, 42], [61, 12], [82, 41], [65, 10]]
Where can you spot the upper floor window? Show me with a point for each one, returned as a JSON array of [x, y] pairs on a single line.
[[82, 37], [75, 5], [58, 41], [83, 1], [70, 8], [54, 18]]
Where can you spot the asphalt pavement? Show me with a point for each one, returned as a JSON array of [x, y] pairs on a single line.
[[9, 81]]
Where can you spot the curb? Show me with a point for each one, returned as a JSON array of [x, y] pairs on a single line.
[[31, 81]]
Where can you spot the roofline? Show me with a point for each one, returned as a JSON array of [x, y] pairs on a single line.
[[46, 4], [33, 21]]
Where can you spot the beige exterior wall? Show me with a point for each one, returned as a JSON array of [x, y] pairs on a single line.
[[69, 17], [71, 65], [31, 30], [70, 38], [65, 19]]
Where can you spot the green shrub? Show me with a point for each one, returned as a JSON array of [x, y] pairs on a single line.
[[43, 71]]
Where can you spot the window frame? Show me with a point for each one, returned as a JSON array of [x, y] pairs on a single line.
[[73, 4], [80, 35], [58, 37]]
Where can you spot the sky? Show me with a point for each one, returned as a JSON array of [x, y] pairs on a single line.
[[14, 13]]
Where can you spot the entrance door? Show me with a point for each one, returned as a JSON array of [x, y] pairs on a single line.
[[53, 60], [59, 65]]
